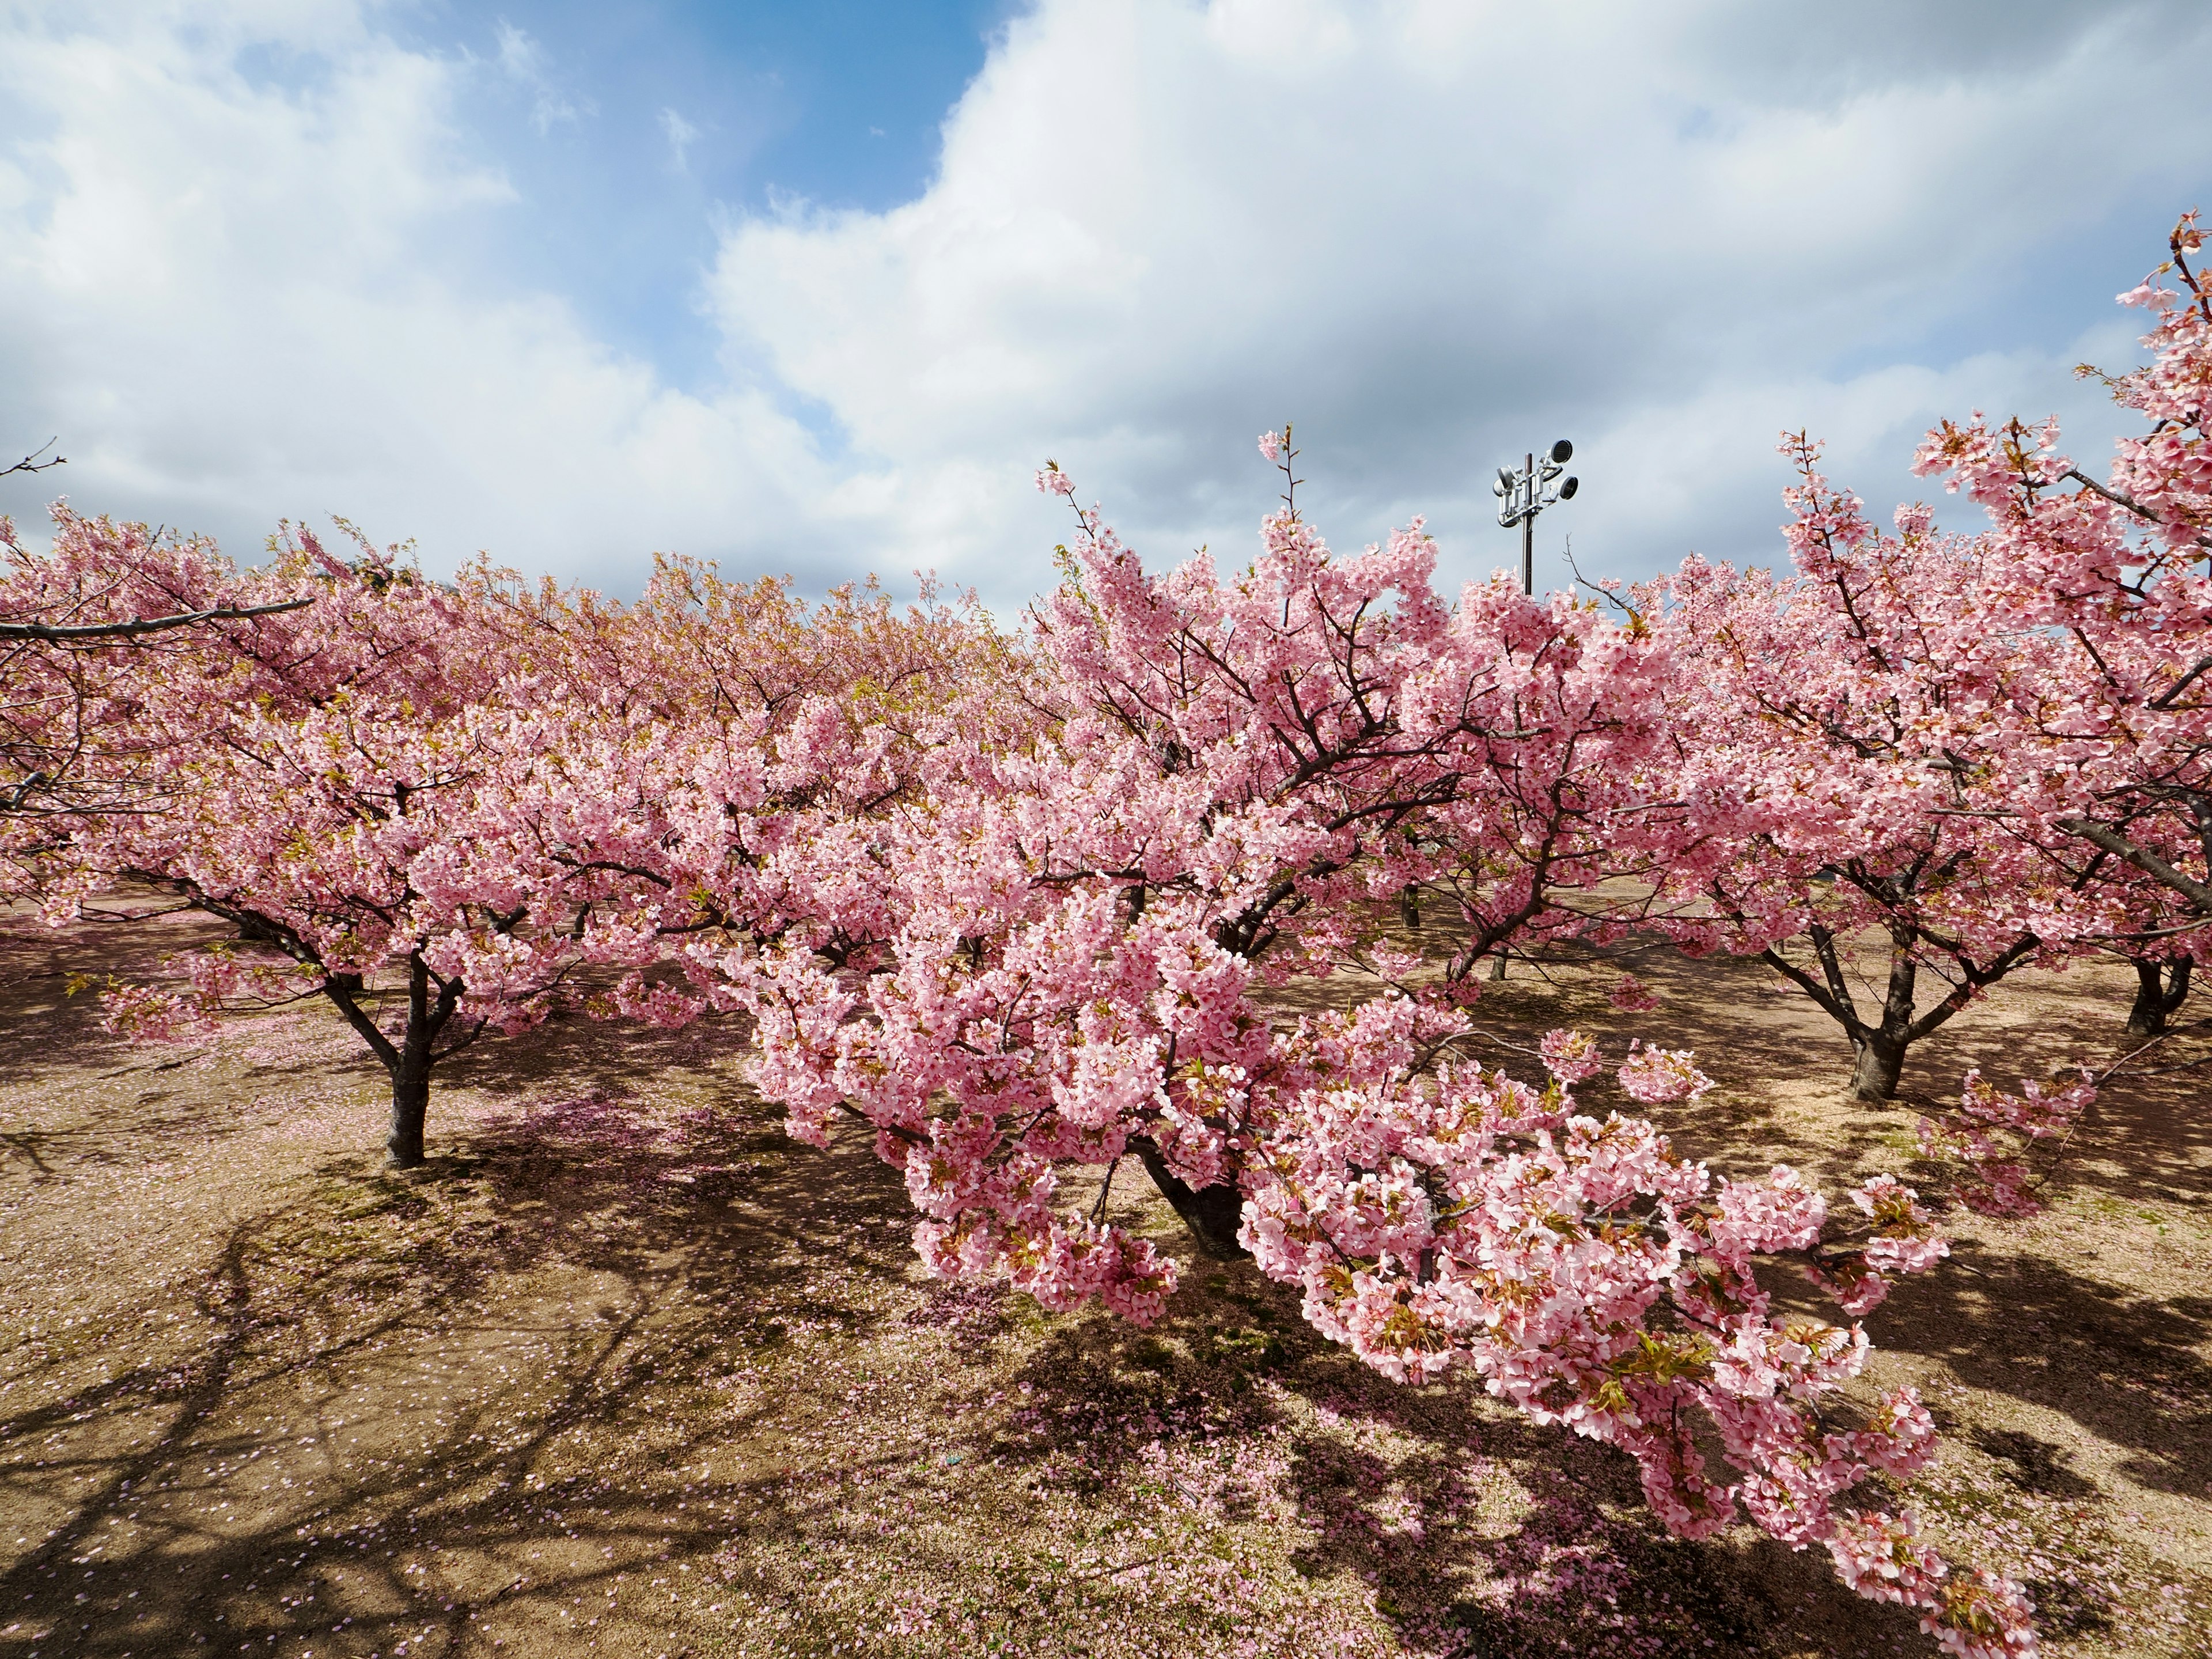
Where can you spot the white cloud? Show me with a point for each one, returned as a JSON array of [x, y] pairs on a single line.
[[1437, 234], [524, 61], [1434, 234], [234, 301], [681, 135]]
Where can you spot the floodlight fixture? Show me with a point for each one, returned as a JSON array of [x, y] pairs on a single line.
[[1525, 491]]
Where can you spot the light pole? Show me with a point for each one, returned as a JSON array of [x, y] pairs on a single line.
[[1522, 494]]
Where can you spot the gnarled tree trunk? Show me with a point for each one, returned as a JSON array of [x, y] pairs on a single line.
[[1879, 1046], [1877, 1063], [1409, 908], [1212, 1213], [411, 1107], [410, 1059], [2161, 989]]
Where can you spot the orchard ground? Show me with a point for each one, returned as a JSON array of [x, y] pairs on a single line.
[[627, 1371]]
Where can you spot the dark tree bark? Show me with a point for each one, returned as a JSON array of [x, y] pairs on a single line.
[[2199, 893], [430, 1005], [1877, 1063], [1409, 908], [433, 999], [411, 1109], [1879, 1045], [1212, 1213], [2161, 989]]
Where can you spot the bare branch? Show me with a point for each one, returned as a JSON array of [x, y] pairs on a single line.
[[2104, 835], [20, 630], [31, 463]]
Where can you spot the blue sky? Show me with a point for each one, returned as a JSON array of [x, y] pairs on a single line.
[[631, 133], [814, 288]]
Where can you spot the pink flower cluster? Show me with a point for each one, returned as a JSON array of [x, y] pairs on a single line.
[[1989, 1134], [1571, 1056], [1655, 1076], [1632, 996]]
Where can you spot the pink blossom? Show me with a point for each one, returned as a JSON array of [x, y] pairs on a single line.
[[1632, 996], [1657, 1076], [1989, 1134], [1569, 1056]]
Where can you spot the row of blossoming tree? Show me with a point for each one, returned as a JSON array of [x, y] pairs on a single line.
[[1022, 906]]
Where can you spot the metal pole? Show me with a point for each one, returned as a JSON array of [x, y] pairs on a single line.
[[1529, 529], [1522, 497]]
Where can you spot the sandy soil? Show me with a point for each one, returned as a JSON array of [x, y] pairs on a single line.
[[626, 1371]]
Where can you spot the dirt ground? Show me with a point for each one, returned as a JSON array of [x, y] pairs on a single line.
[[626, 1371]]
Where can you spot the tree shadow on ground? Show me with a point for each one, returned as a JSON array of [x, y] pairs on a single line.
[[40, 1018], [2129, 1369], [604, 1275], [1473, 1531]]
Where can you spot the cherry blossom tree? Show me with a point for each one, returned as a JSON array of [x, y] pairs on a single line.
[[1992, 747], [314, 786], [1083, 925], [2118, 571], [78, 626], [1860, 735], [1986, 747], [485, 801], [337, 784]]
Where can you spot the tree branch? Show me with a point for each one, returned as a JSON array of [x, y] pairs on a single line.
[[2104, 835], [61, 635]]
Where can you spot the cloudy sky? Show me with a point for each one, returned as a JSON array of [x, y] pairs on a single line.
[[814, 289]]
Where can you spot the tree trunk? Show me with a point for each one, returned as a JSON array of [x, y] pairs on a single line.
[[2157, 995], [1409, 908], [1879, 1060], [1878, 1049], [410, 1105], [1212, 1213], [2147, 1017], [410, 1077], [410, 1059]]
